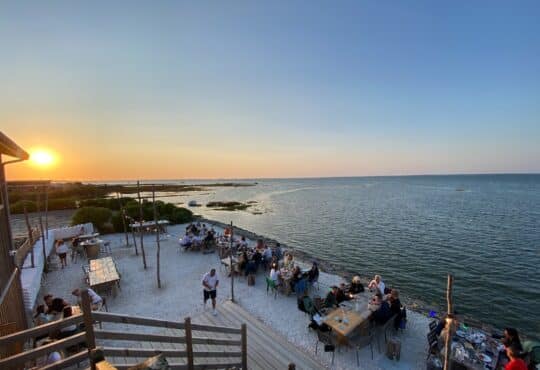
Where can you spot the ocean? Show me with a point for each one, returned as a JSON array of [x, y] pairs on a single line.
[[412, 230]]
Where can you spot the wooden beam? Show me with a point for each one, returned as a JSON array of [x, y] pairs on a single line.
[[88, 324], [189, 343], [21, 358], [244, 347], [215, 329], [143, 337], [141, 223], [127, 319], [450, 323], [68, 361], [157, 234], [142, 352], [49, 328]]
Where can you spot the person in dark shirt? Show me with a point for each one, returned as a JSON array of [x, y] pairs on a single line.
[[395, 307], [382, 315], [511, 338], [342, 296], [356, 286], [331, 300], [313, 274]]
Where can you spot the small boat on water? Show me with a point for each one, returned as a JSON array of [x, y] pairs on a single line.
[[193, 203]]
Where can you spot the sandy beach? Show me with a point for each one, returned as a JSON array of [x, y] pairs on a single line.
[[181, 296]]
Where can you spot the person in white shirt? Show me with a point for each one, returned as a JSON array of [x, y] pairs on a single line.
[[377, 283], [186, 241], [274, 274], [62, 251], [95, 300], [210, 283]]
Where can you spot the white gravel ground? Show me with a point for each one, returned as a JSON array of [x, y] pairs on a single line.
[[181, 296]]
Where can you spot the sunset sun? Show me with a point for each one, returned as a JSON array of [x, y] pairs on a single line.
[[42, 158]]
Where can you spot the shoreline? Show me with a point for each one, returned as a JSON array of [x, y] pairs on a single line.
[[412, 304]]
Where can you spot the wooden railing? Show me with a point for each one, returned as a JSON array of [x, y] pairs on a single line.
[[187, 339], [24, 249], [27, 337], [235, 353], [12, 317]]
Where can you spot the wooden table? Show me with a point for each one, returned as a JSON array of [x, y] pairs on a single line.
[[348, 319], [103, 273]]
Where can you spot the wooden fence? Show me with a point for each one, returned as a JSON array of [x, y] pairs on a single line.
[[12, 318], [24, 249], [237, 355]]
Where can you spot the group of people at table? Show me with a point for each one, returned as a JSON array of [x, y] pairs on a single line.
[[57, 308], [198, 236]]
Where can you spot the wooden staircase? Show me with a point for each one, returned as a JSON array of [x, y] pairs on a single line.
[[266, 349]]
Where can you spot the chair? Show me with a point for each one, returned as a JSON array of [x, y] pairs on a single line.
[[433, 343], [363, 340], [309, 306], [271, 284], [383, 329], [329, 342]]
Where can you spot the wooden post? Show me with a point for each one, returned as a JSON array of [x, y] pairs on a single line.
[[42, 235], [450, 322], [244, 346], [140, 223], [189, 343], [231, 264], [134, 239], [88, 324], [123, 214], [30, 236], [47, 211], [157, 234]]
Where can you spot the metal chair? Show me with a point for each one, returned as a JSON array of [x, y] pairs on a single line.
[[362, 340], [329, 341]]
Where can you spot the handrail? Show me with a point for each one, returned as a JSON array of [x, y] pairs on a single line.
[[136, 320], [8, 285], [40, 330], [21, 358]]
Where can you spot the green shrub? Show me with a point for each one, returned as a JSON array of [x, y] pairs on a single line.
[[180, 216], [18, 206], [59, 204], [117, 223], [98, 216]]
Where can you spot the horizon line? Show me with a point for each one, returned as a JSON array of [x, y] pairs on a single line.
[[294, 178]]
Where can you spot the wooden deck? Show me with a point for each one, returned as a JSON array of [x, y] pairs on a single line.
[[266, 349]]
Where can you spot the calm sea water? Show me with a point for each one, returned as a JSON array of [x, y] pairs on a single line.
[[412, 230]]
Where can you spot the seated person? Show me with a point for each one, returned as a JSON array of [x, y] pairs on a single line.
[[186, 241], [341, 296], [242, 261], [313, 274], [288, 263], [95, 300], [40, 316], [383, 313], [356, 286], [395, 306], [48, 298], [513, 352], [296, 277], [242, 245], [62, 310], [377, 283], [227, 232], [331, 300]]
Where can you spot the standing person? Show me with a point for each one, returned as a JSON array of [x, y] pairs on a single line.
[[62, 251], [210, 283]]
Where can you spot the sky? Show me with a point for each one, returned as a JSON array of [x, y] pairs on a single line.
[[247, 89]]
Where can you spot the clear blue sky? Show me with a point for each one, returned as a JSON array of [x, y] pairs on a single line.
[[275, 89]]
